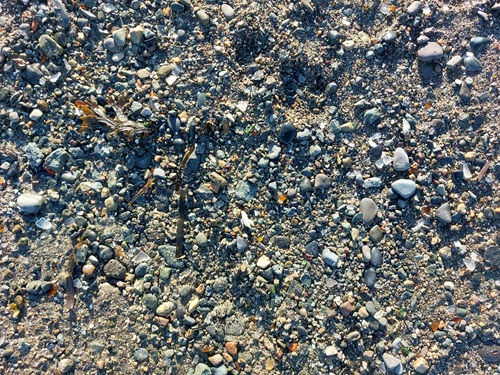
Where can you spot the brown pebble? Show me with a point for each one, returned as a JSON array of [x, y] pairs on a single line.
[[232, 347], [88, 269], [100, 364]]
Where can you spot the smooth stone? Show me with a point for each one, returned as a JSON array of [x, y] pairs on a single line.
[[241, 244], [369, 276], [414, 8], [353, 336], [36, 114], [368, 209], [110, 45], [136, 34], [165, 308], [31, 203], [203, 17], [454, 62], [391, 362], [322, 181], [478, 43], [56, 160], [401, 161], [375, 257], [490, 353], [420, 365], [228, 11], [375, 234], [141, 355], [404, 187], [202, 369], [330, 258], [32, 74], [263, 262], [492, 255], [115, 270], [201, 239], [331, 88], [372, 116], [372, 182], [443, 213], [465, 94], [65, 365], [177, 7], [50, 47], [430, 52], [472, 65], [244, 191], [287, 133], [390, 36]]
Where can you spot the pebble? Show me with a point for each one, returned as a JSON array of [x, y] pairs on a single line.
[[65, 365], [110, 45], [50, 47], [141, 355], [111, 204], [376, 234], [115, 270], [392, 363], [330, 258], [203, 17], [430, 52], [244, 191], [216, 359], [353, 336], [165, 308], [454, 62], [120, 37], [201, 239], [136, 34], [263, 262], [443, 213], [369, 275], [56, 160], [228, 11], [404, 187], [472, 65], [31, 203], [36, 114], [287, 133], [401, 161], [371, 116], [492, 255], [375, 257], [389, 36], [420, 365], [490, 353], [479, 43], [322, 181], [202, 369], [414, 8], [368, 209]]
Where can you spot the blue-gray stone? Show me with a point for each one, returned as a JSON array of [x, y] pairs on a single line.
[[369, 277], [375, 257], [472, 65], [372, 116], [287, 133], [443, 213], [244, 191], [31, 203], [404, 187], [368, 209], [168, 253], [401, 161], [330, 258], [56, 160], [414, 8], [430, 52], [141, 355], [478, 43], [202, 369]]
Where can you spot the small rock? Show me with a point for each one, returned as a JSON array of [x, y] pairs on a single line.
[[244, 191], [389, 36], [56, 160], [353, 336], [330, 258], [110, 45], [36, 114], [401, 161], [141, 355], [404, 187], [202, 369], [347, 308], [216, 359], [375, 257], [490, 353], [430, 52], [322, 181], [472, 65], [376, 234], [443, 213], [372, 116], [120, 36], [368, 209], [492, 255], [414, 8], [392, 363], [232, 348], [165, 308], [478, 43], [201, 238], [115, 270], [228, 11], [369, 276], [420, 365], [49, 47], [287, 133], [203, 17], [453, 62], [136, 34], [31, 203], [111, 204], [263, 262], [65, 365]]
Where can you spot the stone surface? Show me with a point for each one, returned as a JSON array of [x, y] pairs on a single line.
[[420, 365], [404, 187], [443, 213], [401, 161], [49, 47], [322, 181], [115, 270]]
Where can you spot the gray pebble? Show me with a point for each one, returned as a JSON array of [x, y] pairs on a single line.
[[443, 213], [31, 203], [56, 160], [490, 353], [372, 116], [120, 36], [414, 8], [165, 308], [353, 336], [372, 182], [375, 257], [322, 181], [389, 36], [65, 365], [228, 11], [202, 369], [136, 34], [241, 244], [330, 258], [33, 74], [472, 65], [203, 17], [492, 255], [454, 62], [392, 363], [478, 43], [430, 52], [50, 47], [376, 234], [201, 238], [404, 187], [151, 301], [369, 276], [244, 191], [401, 161], [368, 209], [177, 7], [110, 45], [141, 355]]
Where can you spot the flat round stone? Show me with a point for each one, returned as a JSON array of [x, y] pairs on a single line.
[[414, 8], [228, 11], [430, 52]]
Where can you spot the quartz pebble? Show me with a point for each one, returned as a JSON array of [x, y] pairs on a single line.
[[369, 210], [401, 161]]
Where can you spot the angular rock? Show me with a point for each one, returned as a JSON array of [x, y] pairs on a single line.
[[65, 365], [492, 255], [443, 213], [392, 363], [56, 160], [49, 47], [330, 258], [115, 270], [420, 365], [244, 191], [322, 181], [478, 43], [372, 116], [472, 65]]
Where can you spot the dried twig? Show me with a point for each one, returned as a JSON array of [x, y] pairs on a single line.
[[483, 171], [142, 190], [184, 161], [179, 240]]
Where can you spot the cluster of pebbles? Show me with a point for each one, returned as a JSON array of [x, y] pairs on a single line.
[[342, 198]]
